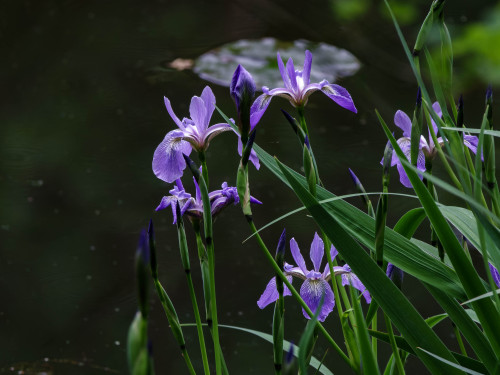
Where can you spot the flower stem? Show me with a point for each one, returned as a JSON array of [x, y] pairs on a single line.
[[303, 125], [294, 292], [395, 350], [302, 120], [204, 168], [187, 269], [208, 232], [202, 254], [199, 328], [459, 339]]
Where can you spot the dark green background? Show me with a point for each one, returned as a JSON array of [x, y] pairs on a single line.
[[80, 117]]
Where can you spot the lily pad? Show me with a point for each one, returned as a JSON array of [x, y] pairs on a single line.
[[259, 58]]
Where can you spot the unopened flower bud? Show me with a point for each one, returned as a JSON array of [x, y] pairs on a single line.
[[242, 90], [280, 250]]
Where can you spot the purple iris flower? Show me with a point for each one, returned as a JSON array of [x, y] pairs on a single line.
[[315, 283], [193, 206], [168, 163], [427, 150], [298, 88]]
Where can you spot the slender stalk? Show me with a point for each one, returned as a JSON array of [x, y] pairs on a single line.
[[302, 120], [459, 339], [204, 168], [202, 253], [183, 247], [208, 232], [395, 350], [294, 292], [213, 303], [199, 328]]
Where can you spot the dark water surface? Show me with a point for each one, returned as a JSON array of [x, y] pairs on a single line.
[[81, 114]]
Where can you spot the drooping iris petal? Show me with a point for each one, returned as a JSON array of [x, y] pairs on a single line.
[[312, 291], [403, 177], [317, 251], [270, 294], [214, 130], [405, 145], [340, 96], [297, 256], [471, 142], [164, 203], [218, 205], [351, 279], [168, 162], [402, 121]]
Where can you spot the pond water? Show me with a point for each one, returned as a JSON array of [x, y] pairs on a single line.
[[82, 113]]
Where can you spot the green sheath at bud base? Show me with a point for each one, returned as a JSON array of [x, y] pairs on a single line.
[[244, 190]]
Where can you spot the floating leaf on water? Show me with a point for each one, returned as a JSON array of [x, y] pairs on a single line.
[[259, 58]]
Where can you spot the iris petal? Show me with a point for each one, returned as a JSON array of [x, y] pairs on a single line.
[[168, 162], [271, 293], [312, 292]]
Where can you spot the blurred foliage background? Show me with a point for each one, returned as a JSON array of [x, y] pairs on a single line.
[[80, 119]]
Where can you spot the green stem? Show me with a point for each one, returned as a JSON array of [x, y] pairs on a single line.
[[199, 328], [208, 232], [459, 339], [302, 120], [395, 350], [294, 292], [204, 168], [202, 253], [213, 304], [303, 125], [183, 247]]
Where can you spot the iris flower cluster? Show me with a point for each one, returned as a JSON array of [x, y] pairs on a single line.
[[196, 133], [193, 206]]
